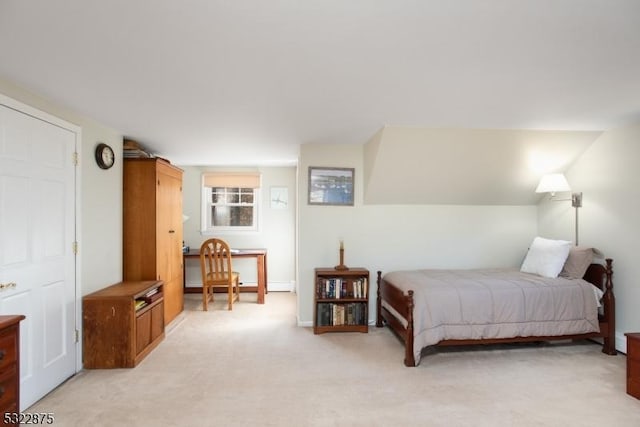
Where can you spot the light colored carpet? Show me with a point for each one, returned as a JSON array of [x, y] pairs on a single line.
[[254, 367]]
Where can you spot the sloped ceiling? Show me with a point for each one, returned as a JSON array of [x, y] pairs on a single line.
[[465, 166]]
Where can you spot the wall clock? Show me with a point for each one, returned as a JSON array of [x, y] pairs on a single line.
[[105, 158], [279, 197]]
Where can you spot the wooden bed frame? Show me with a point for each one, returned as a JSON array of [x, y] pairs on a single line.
[[598, 274]]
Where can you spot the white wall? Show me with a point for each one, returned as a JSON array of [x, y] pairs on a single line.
[[100, 226], [608, 176], [391, 237], [276, 234], [470, 166]]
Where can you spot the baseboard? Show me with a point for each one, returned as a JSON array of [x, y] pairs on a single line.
[[195, 288], [621, 343], [281, 286]]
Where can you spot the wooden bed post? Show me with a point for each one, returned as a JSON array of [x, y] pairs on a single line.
[[409, 360], [608, 300], [379, 302]]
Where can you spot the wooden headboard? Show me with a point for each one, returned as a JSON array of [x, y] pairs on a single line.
[[599, 274]]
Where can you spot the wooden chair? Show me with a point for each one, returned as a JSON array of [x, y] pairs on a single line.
[[215, 263]]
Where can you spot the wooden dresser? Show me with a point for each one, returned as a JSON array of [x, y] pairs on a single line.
[[152, 228], [633, 364], [10, 363], [121, 324]]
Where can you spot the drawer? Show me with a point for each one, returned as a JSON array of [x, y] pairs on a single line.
[[633, 368], [9, 388], [8, 348]]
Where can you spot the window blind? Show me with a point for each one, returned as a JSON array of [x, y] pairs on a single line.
[[232, 179]]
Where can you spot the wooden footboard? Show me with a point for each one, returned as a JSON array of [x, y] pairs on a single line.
[[392, 303], [403, 305]]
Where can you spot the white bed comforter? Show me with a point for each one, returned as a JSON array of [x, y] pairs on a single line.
[[494, 303]]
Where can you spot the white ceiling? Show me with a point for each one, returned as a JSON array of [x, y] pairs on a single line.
[[247, 81]]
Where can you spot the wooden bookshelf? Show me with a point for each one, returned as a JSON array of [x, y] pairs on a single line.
[[122, 324], [341, 300]]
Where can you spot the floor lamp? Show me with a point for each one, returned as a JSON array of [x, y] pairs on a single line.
[[556, 182]]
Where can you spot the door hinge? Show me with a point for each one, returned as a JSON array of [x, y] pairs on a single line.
[[77, 335], [75, 248], [75, 158]]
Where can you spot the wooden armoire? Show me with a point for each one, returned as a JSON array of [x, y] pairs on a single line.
[[153, 228]]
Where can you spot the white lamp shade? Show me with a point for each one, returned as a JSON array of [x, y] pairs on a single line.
[[552, 183]]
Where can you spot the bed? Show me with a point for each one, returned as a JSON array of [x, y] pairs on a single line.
[[489, 306]]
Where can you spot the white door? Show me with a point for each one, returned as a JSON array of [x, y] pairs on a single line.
[[37, 231]]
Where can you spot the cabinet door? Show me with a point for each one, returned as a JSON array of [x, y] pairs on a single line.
[[173, 299], [107, 337], [140, 220], [143, 331], [174, 210], [169, 238], [157, 321]]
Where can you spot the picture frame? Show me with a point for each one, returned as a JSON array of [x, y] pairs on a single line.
[[279, 197], [330, 186]]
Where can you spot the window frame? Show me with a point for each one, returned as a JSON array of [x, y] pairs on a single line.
[[207, 228]]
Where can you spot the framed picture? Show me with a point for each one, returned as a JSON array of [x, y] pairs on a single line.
[[331, 186], [279, 197]]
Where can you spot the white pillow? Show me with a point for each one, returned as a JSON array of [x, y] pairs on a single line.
[[546, 257]]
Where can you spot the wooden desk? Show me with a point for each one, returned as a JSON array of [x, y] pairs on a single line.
[[261, 259]]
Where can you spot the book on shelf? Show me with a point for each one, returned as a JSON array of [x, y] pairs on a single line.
[[334, 288], [140, 303], [341, 314], [152, 298], [360, 288]]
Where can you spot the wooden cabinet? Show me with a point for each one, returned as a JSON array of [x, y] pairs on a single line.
[[633, 364], [152, 228], [341, 300], [122, 323], [10, 364]]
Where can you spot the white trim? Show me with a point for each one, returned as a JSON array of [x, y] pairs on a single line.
[[205, 230], [38, 114], [78, 214], [621, 343], [281, 286], [77, 130]]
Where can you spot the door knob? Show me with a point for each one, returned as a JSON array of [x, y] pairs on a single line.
[[4, 286]]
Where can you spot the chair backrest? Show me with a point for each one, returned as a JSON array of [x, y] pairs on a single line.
[[215, 260]]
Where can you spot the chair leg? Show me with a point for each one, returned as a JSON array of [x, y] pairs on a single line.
[[205, 297], [230, 293], [207, 294]]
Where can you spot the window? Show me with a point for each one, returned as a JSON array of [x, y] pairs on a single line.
[[230, 202]]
